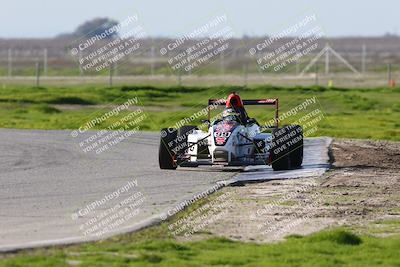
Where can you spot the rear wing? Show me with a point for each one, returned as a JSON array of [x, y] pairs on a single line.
[[250, 102]]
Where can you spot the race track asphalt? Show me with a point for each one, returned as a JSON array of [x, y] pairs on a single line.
[[52, 192]]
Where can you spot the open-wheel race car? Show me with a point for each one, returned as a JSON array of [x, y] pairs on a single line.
[[233, 139]]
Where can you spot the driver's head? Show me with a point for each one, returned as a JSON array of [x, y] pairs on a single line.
[[230, 114]]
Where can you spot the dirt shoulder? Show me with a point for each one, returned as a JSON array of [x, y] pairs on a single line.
[[361, 191]]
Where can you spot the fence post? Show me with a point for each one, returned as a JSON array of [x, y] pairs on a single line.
[[9, 62], [222, 63], [45, 62], [245, 73], [152, 61], [391, 81], [79, 63], [37, 74], [363, 58], [179, 78], [327, 63], [110, 76]]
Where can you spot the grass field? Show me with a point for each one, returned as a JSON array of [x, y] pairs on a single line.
[[328, 248], [351, 113]]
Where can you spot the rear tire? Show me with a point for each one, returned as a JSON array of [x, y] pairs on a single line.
[[166, 152]]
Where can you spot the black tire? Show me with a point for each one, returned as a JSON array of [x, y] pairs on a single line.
[[280, 157], [182, 137], [296, 147], [166, 152], [281, 162]]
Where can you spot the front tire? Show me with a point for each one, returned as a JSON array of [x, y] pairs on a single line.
[[281, 162], [280, 158], [296, 148], [287, 148], [166, 152]]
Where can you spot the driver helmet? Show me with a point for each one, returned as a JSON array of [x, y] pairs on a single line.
[[230, 114]]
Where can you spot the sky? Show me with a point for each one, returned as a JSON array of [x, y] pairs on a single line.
[[172, 18]]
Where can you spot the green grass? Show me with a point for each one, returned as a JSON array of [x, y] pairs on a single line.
[[152, 247], [351, 113]]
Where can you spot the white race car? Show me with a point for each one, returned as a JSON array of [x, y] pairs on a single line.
[[233, 139]]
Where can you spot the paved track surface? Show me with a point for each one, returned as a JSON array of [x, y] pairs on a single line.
[[315, 163], [47, 183]]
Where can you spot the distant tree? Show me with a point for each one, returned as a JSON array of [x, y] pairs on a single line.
[[96, 26]]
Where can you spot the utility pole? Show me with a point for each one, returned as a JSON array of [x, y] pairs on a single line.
[[316, 74], [10, 62], [45, 62]]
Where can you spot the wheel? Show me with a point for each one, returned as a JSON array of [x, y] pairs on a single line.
[[280, 163], [166, 152], [296, 147], [280, 157], [182, 137]]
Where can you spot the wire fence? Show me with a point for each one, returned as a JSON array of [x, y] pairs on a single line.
[[366, 62]]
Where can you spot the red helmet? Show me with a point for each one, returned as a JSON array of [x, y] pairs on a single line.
[[234, 101]]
